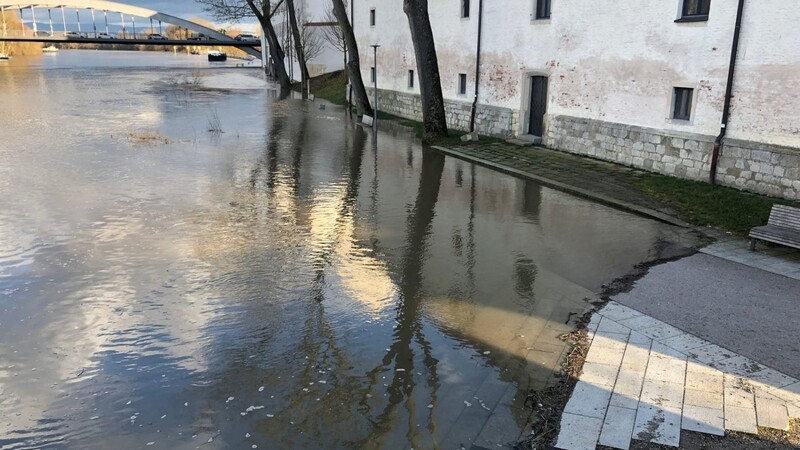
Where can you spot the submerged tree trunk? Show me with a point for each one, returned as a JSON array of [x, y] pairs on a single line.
[[275, 50], [430, 85], [353, 65], [298, 47]]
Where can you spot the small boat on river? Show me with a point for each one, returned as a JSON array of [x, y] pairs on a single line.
[[215, 55], [50, 49], [3, 57]]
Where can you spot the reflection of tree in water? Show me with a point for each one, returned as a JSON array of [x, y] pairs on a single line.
[[354, 408], [525, 277], [399, 359], [318, 347]]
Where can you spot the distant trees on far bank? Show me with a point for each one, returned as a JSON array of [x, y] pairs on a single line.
[[12, 24]]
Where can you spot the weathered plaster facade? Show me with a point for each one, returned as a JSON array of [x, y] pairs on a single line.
[[613, 70]]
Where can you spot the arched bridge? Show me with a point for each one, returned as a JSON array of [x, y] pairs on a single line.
[[46, 21]]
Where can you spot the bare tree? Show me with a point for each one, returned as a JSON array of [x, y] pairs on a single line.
[[332, 34], [263, 10], [312, 42], [430, 85], [298, 47], [353, 62]]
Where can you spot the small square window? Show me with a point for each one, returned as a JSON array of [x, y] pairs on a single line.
[[464, 9], [682, 103], [410, 79], [542, 9], [372, 74], [695, 10], [372, 17], [462, 83]]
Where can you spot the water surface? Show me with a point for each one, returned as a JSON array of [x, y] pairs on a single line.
[[185, 267]]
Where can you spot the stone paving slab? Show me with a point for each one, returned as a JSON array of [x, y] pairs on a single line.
[[740, 419], [618, 427], [647, 381], [658, 424], [771, 412], [588, 400], [579, 432], [703, 420]]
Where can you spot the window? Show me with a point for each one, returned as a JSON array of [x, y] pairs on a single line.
[[682, 103], [372, 74], [464, 9], [372, 17], [543, 9], [462, 83], [695, 10], [410, 79]]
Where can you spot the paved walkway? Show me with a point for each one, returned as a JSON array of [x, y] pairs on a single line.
[[647, 380], [644, 379]]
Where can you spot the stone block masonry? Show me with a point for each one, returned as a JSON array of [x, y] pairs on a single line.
[[750, 166], [489, 120]]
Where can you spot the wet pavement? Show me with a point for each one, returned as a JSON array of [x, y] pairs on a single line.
[[184, 262], [599, 181]]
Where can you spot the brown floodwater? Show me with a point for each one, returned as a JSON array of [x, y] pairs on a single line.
[[185, 263]]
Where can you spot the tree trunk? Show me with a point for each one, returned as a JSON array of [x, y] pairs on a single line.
[[277, 55], [298, 47], [430, 84], [353, 63], [275, 50]]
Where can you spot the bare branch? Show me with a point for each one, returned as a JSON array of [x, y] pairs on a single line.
[[312, 42], [275, 9], [332, 34]]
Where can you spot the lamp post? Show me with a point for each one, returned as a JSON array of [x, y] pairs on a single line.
[[375, 82]]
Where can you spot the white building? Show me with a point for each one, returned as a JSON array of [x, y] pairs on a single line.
[[641, 84]]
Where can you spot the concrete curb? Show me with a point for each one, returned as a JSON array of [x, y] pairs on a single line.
[[600, 198]]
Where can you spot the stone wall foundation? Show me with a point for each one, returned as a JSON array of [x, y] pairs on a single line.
[[751, 166], [489, 120]]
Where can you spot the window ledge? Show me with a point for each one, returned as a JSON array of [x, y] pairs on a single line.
[[681, 122], [687, 19]]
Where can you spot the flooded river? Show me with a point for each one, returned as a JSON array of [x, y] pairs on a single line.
[[188, 261]]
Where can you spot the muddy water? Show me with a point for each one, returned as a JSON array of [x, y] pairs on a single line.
[[184, 266]]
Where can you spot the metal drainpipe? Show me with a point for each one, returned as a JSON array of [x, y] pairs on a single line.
[[728, 94], [477, 69]]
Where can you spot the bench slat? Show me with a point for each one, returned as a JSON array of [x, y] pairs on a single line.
[[777, 235], [785, 216]]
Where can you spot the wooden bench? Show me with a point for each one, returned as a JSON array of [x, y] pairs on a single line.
[[783, 228]]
